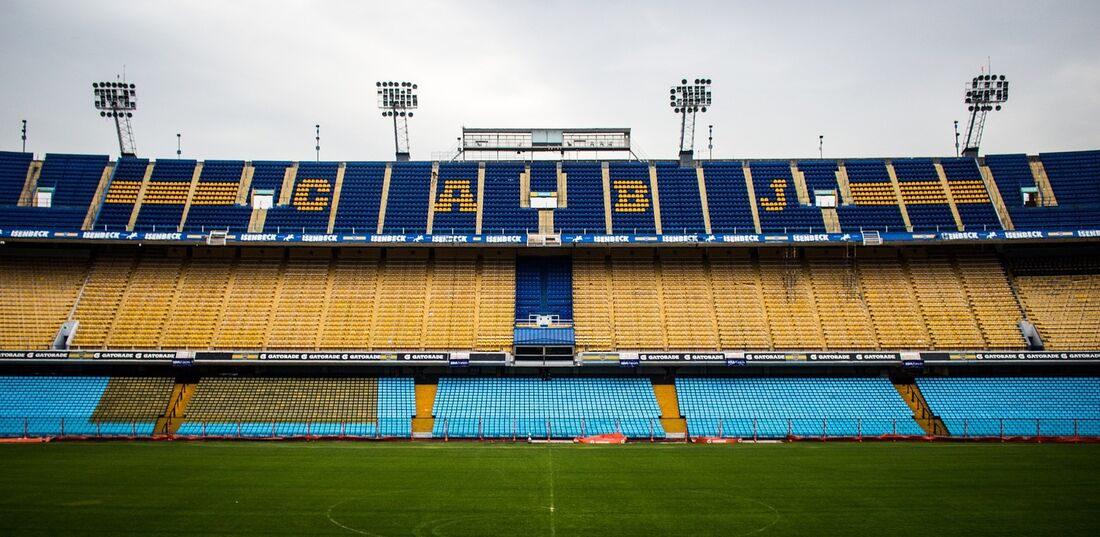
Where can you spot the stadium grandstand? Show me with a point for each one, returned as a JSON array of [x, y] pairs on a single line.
[[908, 297]]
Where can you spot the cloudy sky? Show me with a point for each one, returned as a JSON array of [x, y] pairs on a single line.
[[249, 79]]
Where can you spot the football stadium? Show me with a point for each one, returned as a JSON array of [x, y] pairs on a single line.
[[542, 332]]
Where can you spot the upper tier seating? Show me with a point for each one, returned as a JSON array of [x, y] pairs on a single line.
[[584, 199], [360, 197], [213, 205], [122, 194], [407, 205], [777, 200], [74, 179], [13, 175], [309, 203], [1015, 406], [165, 195], [875, 205], [1013, 172], [779, 407], [455, 198], [537, 408], [681, 206], [970, 194], [727, 198], [631, 198], [501, 212], [544, 286], [923, 194], [263, 406]]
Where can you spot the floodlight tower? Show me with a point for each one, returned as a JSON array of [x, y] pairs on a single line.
[[984, 94], [118, 101], [687, 100], [398, 100]]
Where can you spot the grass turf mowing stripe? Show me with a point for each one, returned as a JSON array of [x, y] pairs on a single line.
[[469, 489]]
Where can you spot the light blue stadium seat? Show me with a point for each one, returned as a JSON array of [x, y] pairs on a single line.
[[1015, 406]]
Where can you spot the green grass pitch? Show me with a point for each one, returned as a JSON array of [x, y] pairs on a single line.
[[469, 489]]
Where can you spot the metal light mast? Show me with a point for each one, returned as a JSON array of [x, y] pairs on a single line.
[[984, 94], [118, 101], [398, 100], [687, 100]]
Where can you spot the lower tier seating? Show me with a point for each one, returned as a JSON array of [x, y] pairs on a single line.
[[1015, 406], [537, 408], [81, 406], [258, 407], [781, 407]]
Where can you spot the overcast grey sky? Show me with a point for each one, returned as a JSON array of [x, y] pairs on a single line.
[[248, 80]]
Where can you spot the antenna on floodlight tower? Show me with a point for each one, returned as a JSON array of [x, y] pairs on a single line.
[[688, 99], [398, 100], [984, 94], [118, 101]]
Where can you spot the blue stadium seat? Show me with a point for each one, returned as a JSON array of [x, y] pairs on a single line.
[[780, 407], [456, 199], [631, 198], [727, 198], [360, 197], [584, 197], [114, 214], [407, 203], [537, 408], [501, 212], [681, 206], [1015, 406], [54, 406], [310, 203], [544, 286]]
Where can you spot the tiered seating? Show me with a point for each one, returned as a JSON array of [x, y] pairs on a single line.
[[407, 202], [1062, 300], [103, 293], [74, 179], [1015, 406], [584, 197], [122, 194], [214, 205], [631, 199], [738, 300], [146, 303], [970, 195], [1074, 176], [501, 212], [635, 294], [686, 299], [819, 174], [892, 303], [537, 408], [455, 198], [681, 206], [875, 205], [165, 195], [923, 194], [310, 203], [495, 296], [452, 295], [944, 304], [54, 406], [248, 305], [727, 198], [133, 398], [544, 176], [195, 315], [779, 407], [269, 175], [788, 297], [777, 200], [592, 301], [995, 308], [13, 175], [36, 295], [399, 311], [1013, 172], [544, 285], [360, 197], [845, 321], [350, 309], [299, 304], [261, 407]]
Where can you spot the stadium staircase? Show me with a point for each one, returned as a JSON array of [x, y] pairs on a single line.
[[949, 195], [1042, 182], [30, 185], [897, 192], [922, 413], [675, 426], [995, 196], [423, 423], [170, 422]]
